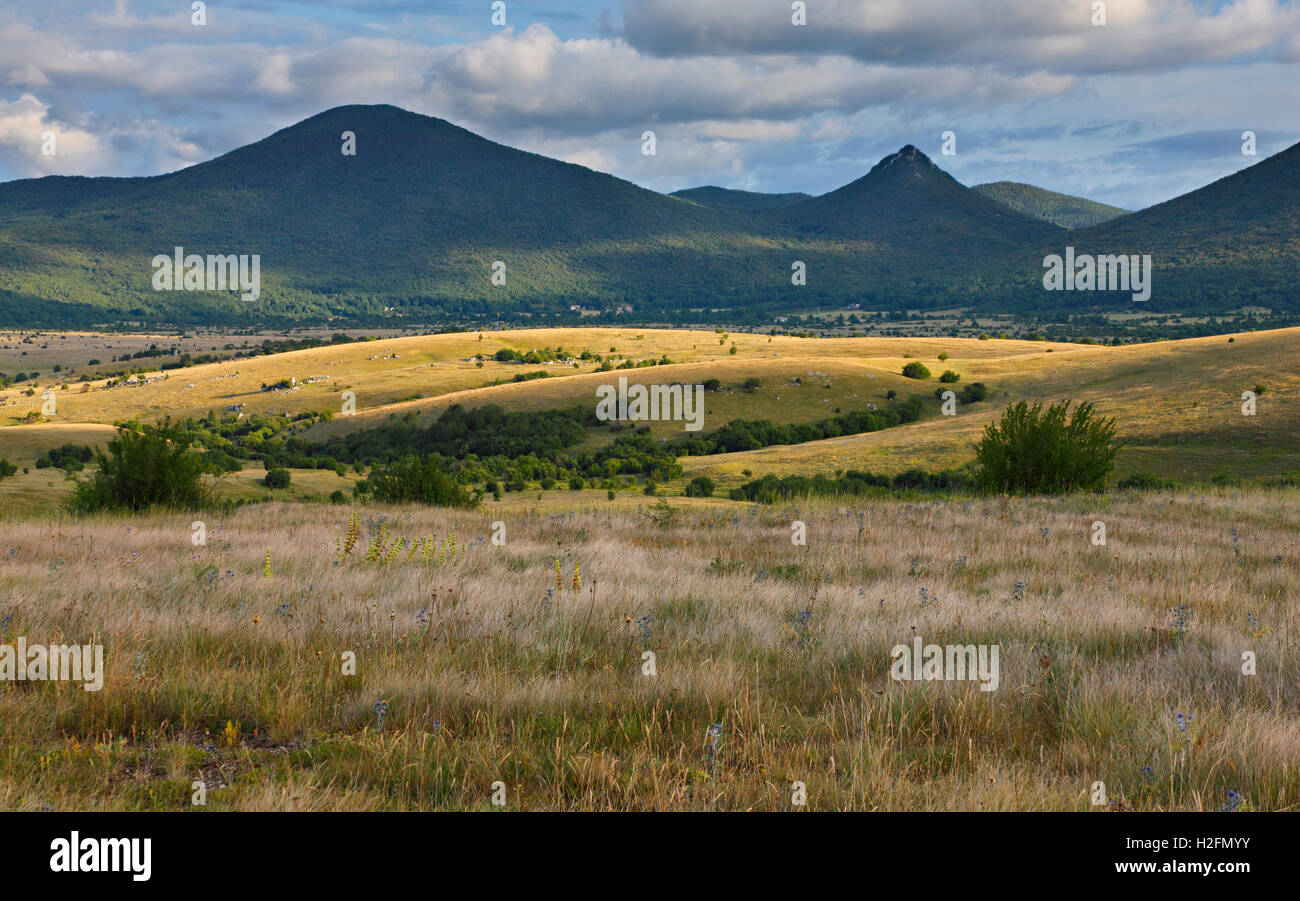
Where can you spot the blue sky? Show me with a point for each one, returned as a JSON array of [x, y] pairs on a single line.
[[1147, 106]]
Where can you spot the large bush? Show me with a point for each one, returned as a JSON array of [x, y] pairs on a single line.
[[916, 371], [1032, 450], [276, 478], [418, 481], [700, 486], [145, 466]]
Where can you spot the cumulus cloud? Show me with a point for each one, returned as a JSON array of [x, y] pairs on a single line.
[[736, 93], [1018, 35]]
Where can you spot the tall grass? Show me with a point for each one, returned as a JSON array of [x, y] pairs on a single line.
[[475, 664]]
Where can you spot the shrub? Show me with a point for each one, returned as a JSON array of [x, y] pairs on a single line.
[[338, 497], [6, 468], [1032, 450], [577, 483], [418, 481], [752, 384], [1143, 481], [145, 466], [916, 370], [712, 385], [700, 486], [276, 478], [949, 377], [610, 494], [651, 488], [973, 393]]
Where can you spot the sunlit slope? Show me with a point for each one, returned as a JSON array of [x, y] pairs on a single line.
[[1178, 404]]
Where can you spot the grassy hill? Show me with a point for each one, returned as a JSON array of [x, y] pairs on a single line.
[[1177, 403], [1049, 206]]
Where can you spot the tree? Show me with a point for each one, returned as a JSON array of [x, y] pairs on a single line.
[[700, 486], [916, 370], [1032, 450], [145, 466], [276, 478], [418, 481]]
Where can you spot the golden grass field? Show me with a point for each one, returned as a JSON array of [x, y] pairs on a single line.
[[477, 667], [483, 675], [1176, 403]]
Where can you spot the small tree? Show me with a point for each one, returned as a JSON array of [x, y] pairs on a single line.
[[276, 478], [700, 486], [145, 466], [916, 370], [1032, 450]]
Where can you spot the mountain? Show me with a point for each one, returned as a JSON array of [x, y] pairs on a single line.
[[420, 213], [921, 220], [413, 224], [729, 198], [1233, 242], [1049, 206]]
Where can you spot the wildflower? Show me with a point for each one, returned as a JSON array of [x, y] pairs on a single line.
[[1234, 801], [381, 707], [1182, 720]]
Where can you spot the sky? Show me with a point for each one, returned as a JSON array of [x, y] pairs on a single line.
[[1149, 105]]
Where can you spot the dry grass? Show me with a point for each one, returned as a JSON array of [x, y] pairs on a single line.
[[496, 680]]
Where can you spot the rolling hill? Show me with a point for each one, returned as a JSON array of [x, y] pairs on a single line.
[[1059, 209]]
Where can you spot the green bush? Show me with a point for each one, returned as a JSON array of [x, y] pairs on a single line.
[[1036, 451], [973, 393], [338, 497], [915, 370], [418, 481], [1144, 481], [949, 377], [145, 466], [700, 486], [6, 468], [276, 478]]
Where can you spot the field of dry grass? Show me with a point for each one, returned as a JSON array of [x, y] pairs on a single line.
[[476, 667], [1176, 403]]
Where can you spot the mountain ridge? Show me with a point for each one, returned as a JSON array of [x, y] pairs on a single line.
[[416, 222]]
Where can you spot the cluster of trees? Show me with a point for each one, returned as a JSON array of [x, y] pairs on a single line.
[[68, 457], [770, 489], [743, 434]]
